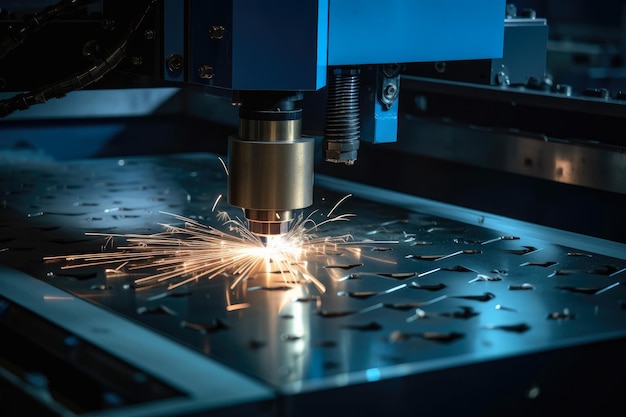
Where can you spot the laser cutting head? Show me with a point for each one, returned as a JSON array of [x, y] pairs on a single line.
[[270, 164]]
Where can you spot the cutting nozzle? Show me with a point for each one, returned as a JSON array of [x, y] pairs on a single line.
[[270, 170]]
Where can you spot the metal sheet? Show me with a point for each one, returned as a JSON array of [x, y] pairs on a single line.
[[422, 287]]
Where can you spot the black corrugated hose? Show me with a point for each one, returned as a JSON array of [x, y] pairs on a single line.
[[17, 36], [74, 82]]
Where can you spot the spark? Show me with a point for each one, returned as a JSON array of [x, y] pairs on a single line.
[[183, 254], [337, 205], [223, 165], [217, 200]]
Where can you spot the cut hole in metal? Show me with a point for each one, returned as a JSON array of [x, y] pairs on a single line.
[[482, 298], [524, 251], [213, 326], [516, 328], [432, 287], [349, 266], [160, 309], [369, 327], [541, 264]]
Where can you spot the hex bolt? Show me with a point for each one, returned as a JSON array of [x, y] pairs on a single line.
[[440, 67], [216, 32], [502, 78], [205, 72], [390, 92], [174, 62]]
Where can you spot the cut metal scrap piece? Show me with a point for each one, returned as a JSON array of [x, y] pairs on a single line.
[[483, 277], [440, 257]]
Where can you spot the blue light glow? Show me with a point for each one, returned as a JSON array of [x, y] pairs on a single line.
[[372, 374]]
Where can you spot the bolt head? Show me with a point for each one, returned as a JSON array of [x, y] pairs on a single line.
[[206, 72], [174, 62], [216, 32]]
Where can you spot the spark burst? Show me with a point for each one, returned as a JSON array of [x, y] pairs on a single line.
[[182, 254]]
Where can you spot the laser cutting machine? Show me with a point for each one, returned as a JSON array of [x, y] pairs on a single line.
[[484, 170], [268, 55]]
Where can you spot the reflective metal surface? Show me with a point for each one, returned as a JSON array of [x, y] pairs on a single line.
[[420, 287], [520, 153], [548, 135], [185, 382]]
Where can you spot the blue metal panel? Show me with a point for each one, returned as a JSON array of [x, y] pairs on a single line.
[[375, 32], [287, 45], [322, 51], [379, 124], [206, 51], [279, 44], [173, 36]]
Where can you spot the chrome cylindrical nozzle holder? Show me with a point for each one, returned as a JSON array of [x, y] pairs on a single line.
[[270, 172], [268, 222]]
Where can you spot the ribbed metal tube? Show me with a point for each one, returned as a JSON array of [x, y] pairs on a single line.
[[342, 132]]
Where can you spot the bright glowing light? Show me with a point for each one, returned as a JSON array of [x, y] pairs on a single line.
[[372, 374], [182, 254]]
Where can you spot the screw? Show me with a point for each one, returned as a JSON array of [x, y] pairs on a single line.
[[149, 34], [205, 72], [390, 92], [174, 62], [216, 31], [136, 60], [502, 78]]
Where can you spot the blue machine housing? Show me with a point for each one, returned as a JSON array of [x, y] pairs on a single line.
[[374, 32], [289, 45]]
